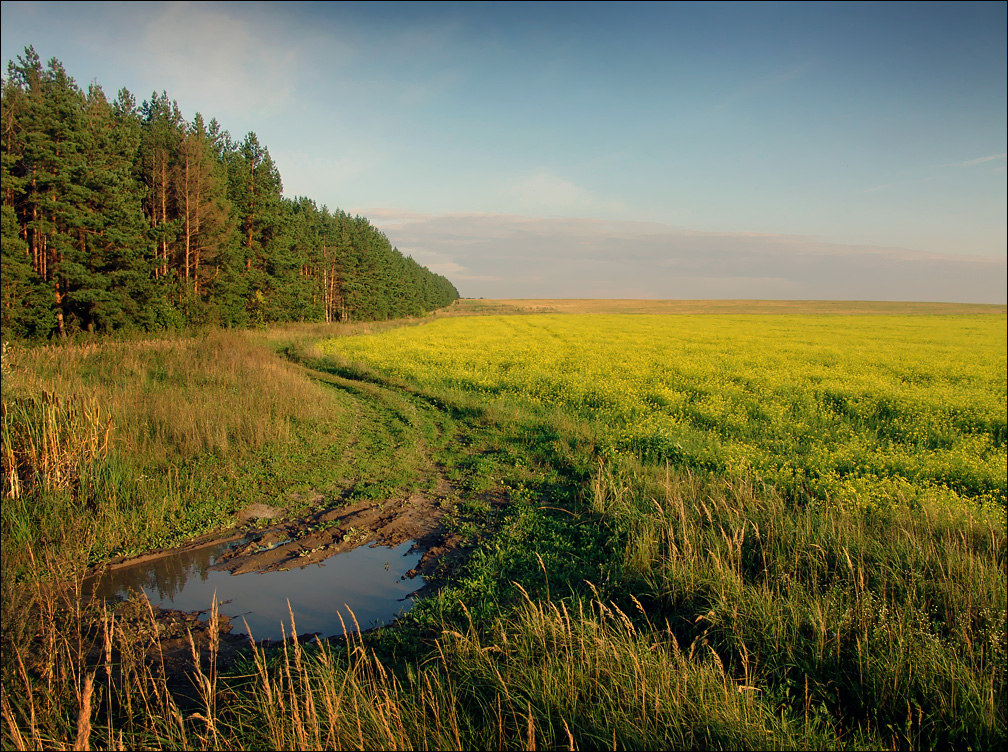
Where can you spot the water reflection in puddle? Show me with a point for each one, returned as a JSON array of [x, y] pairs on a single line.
[[369, 580]]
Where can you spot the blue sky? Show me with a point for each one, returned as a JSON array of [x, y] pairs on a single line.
[[776, 150]]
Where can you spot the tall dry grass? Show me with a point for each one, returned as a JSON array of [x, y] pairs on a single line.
[[891, 621], [171, 398], [111, 430], [118, 446], [554, 674]]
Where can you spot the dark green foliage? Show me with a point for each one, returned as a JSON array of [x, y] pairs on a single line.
[[123, 217], [25, 302]]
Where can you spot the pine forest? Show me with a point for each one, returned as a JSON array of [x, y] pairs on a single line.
[[119, 216]]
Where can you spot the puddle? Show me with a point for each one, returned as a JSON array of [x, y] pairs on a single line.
[[368, 579]]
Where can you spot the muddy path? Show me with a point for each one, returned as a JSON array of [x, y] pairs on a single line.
[[259, 544], [165, 639], [312, 539], [271, 538]]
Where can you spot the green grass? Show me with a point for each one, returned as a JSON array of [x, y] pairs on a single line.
[[615, 594], [854, 410]]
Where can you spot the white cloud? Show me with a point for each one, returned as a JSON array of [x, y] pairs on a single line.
[[541, 192], [439, 263], [497, 255], [221, 58], [979, 160]]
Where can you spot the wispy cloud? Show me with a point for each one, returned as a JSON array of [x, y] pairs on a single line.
[[498, 255], [887, 186], [541, 192], [768, 83], [945, 174], [220, 56], [978, 160], [309, 172]]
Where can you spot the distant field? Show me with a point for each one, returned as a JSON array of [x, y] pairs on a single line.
[[867, 409], [573, 305]]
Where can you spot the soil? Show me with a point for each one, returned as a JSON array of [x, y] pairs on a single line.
[[317, 537], [263, 544]]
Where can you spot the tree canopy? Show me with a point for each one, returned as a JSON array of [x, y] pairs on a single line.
[[118, 215]]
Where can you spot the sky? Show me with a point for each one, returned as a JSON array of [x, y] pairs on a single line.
[[619, 150]]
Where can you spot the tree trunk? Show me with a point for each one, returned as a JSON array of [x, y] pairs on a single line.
[[164, 212], [188, 232], [199, 201], [325, 295], [59, 309], [250, 219], [34, 240]]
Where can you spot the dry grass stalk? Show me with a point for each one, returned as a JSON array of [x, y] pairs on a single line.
[[83, 740], [12, 725]]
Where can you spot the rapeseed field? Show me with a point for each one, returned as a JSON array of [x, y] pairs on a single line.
[[691, 530], [847, 411]]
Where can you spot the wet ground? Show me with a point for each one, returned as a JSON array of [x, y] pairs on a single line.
[[365, 587], [258, 544], [369, 557]]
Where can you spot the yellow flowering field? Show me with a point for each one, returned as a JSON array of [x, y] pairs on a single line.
[[850, 410]]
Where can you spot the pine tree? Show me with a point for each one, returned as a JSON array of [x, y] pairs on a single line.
[[25, 302], [159, 147], [114, 244], [49, 167], [115, 217], [200, 186]]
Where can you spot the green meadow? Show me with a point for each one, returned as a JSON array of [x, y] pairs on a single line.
[[727, 526]]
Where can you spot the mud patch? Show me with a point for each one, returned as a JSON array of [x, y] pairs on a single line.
[[258, 512], [162, 633], [314, 538]]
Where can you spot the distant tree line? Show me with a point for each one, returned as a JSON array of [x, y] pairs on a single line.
[[125, 216]]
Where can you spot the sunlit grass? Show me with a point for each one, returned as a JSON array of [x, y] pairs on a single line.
[[855, 410], [124, 433], [685, 531]]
